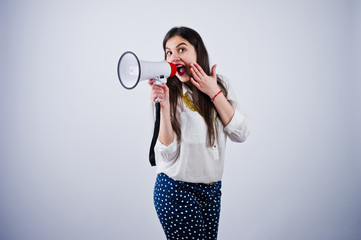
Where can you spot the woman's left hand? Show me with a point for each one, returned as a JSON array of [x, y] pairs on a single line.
[[205, 83]]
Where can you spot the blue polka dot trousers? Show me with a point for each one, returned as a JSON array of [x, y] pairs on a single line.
[[187, 210]]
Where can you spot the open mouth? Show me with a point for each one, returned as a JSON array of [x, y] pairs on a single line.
[[181, 69]]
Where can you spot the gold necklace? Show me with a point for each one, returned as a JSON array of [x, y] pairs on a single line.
[[189, 103]]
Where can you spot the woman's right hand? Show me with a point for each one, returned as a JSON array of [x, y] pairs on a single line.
[[166, 132], [160, 92]]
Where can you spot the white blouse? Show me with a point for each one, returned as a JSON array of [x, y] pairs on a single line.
[[191, 159]]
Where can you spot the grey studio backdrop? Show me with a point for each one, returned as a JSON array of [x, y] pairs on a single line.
[[74, 143]]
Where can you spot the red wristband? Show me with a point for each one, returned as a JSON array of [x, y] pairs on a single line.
[[216, 95]]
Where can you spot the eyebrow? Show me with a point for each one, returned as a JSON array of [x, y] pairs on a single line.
[[180, 44]]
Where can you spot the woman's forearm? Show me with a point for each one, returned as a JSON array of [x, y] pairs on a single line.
[[224, 108], [166, 132]]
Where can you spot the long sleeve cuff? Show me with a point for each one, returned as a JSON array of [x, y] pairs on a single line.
[[238, 128], [167, 152]]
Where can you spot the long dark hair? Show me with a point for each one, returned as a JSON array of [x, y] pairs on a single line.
[[200, 100]]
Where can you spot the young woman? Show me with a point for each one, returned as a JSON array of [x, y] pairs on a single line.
[[198, 113]]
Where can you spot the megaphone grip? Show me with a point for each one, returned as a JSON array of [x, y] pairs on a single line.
[[155, 134]]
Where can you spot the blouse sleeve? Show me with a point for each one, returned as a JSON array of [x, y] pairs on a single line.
[[238, 128], [166, 153]]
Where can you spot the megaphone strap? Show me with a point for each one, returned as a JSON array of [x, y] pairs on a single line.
[[155, 134]]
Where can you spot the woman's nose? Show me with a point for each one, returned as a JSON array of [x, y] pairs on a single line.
[[174, 57]]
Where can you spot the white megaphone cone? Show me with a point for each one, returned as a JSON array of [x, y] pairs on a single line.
[[131, 70]]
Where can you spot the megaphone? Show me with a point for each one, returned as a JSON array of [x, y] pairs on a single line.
[[131, 70]]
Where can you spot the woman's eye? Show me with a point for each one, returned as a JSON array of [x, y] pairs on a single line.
[[181, 50], [169, 53]]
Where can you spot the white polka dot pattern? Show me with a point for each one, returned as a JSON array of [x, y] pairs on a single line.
[[187, 210]]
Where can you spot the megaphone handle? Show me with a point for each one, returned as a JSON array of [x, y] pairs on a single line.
[[155, 134], [160, 79]]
